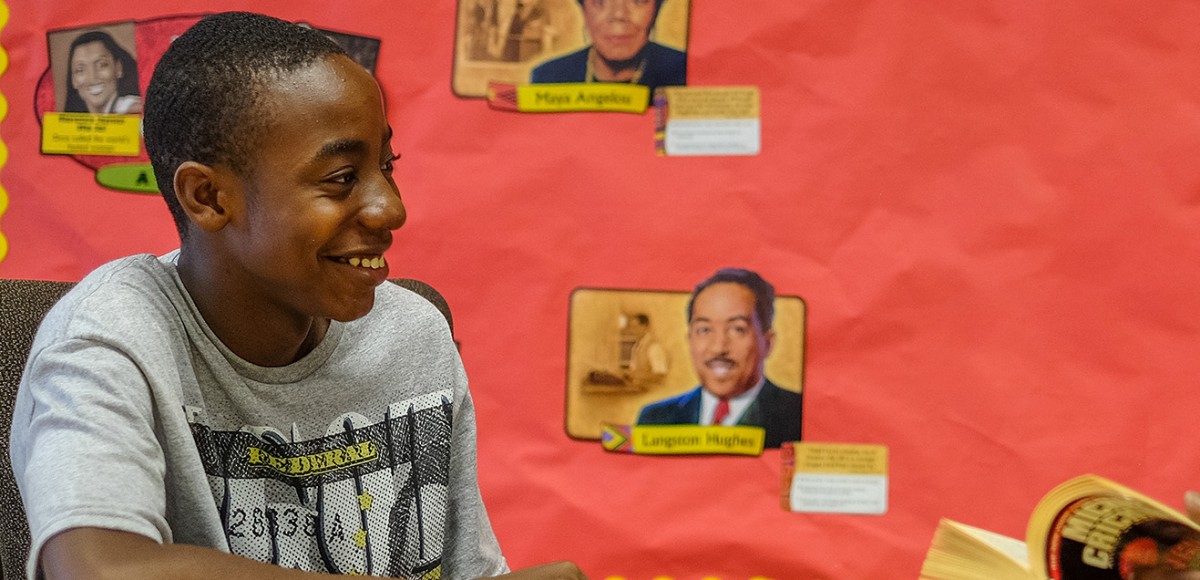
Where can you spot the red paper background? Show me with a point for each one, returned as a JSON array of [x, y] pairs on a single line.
[[991, 209]]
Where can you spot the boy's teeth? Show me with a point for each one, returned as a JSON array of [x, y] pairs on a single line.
[[372, 263]]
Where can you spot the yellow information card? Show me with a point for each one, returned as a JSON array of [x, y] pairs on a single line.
[[842, 458], [91, 134], [690, 103], [835, 478]]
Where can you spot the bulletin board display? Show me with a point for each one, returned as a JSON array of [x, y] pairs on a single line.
[[988, 211]]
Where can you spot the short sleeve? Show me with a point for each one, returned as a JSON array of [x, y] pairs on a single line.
[[84, 450]]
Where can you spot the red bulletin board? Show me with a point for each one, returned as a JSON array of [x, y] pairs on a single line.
[[991, 210]]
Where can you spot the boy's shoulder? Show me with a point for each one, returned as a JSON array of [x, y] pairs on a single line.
[[404, 306], [127, 291], [140, 276]]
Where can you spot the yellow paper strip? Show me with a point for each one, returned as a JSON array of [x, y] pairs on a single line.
[[708, 103], [842, 458], [556, 98], [696, 440]]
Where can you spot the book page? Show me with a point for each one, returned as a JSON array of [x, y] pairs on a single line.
[[1011, 547], [962, 552]]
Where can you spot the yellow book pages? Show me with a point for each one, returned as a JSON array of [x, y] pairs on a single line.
[[1090, 528], [962, 552]]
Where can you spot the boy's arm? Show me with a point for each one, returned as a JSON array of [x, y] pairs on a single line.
[[99, 554], [555, 571], [95, 553]]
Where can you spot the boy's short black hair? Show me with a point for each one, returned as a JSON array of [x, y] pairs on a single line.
[[203, 101]]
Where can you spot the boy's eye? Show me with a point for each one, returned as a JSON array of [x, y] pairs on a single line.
[[344, 178], [389, 163]]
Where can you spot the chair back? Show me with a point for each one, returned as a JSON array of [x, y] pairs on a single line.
[[23, 304]]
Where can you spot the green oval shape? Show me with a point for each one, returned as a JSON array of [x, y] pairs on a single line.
[[134, 177]]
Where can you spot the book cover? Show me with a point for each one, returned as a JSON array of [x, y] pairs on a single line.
[[1088, 528]]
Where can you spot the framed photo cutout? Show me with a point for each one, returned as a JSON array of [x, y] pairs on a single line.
[[568, 41], [629, 350], [95, 69]]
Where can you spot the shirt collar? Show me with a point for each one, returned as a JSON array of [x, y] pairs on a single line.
[[737, 405]]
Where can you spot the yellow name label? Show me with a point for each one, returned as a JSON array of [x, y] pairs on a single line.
[[683, 440], [91, 134], [597, 97], [844, 458], [315, 463]]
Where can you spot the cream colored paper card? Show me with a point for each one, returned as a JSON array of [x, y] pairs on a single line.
[[836, 478]]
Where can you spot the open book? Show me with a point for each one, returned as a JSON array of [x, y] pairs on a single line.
[[1088, 528]]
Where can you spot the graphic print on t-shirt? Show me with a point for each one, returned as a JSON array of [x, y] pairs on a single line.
[[367, 496]]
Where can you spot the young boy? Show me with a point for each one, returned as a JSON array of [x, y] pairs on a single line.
[[258, 404]]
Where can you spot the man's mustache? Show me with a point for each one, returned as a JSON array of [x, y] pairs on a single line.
[[719, 359]]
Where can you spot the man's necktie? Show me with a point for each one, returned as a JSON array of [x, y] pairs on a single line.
[[721, 412]]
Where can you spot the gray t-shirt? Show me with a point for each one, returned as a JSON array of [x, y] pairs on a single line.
[[359, 458]]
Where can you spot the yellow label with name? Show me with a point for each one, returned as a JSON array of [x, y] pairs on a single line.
[[696, 440], [562, 97], [91, 134]]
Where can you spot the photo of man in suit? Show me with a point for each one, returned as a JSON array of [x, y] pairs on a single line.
[[729, 336]]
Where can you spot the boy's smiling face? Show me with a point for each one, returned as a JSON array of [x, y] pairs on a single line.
[[311, 217]]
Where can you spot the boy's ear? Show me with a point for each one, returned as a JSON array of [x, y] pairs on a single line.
[[200, 191]]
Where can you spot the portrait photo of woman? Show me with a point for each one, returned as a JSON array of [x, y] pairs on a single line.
[[621, 49], [96, 74]]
